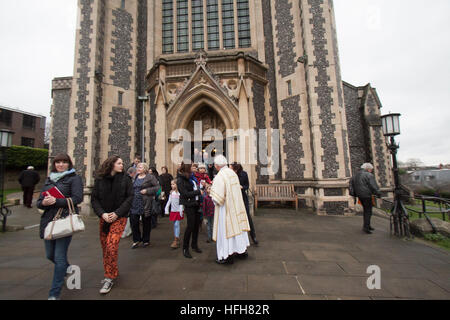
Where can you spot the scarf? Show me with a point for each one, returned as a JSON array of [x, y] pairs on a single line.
[[56, 176]]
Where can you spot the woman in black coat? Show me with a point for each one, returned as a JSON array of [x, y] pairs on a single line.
[[243, 180], [189, 198], [111, 200], [63, 177], [154, 172]]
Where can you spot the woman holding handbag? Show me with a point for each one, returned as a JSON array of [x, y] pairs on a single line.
[[64, 178], [145, 187], [111, 200]]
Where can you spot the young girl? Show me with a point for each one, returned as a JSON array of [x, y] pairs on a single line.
[[176, 213]]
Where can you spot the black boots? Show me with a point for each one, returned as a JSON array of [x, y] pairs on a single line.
[[187, 254]]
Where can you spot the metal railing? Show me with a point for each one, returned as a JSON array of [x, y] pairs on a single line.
[[444, 209], [444, 205]]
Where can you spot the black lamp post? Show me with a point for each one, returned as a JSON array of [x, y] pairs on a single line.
[[399, 215], [5, 142]]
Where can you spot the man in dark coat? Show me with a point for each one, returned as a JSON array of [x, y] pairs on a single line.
[[28, 179], [363, 186]]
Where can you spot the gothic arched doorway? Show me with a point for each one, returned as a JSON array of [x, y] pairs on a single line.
[[208, 132]]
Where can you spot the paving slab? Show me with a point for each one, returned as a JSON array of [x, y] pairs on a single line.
[[394, 270], [273, 283], [226, 281], [415, 289], [314, 268], [340, 286], [328, 256], [19, 292]]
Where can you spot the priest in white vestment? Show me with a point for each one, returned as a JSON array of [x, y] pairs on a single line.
[[231, 224]]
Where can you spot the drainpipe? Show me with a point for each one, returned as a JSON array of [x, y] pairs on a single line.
[[143, 99]]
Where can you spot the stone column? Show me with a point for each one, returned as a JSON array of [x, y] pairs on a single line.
[[330, 154], [87, 93]]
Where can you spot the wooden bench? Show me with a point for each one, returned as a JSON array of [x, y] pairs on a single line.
[[275, 192]]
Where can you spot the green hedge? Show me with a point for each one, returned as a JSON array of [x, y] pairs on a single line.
[[21, 157], [432, 193]]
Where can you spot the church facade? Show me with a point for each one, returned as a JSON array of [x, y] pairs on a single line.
[[258, 80]]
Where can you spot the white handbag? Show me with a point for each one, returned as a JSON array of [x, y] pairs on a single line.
[[60, 228]]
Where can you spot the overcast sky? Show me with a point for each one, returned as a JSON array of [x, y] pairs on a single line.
[[401, 47]]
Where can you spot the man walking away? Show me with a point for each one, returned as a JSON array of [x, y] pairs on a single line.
[[28, 179], [364, 186]]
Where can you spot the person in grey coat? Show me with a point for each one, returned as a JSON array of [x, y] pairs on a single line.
[[363, 186], [145, 188]]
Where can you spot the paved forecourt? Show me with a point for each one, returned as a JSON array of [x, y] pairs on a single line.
[[300, 256]]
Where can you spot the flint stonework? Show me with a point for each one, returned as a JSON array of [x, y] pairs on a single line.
[[60, 125], [323, 90], [292, 132], [286, 36], [121, 48], [335, 207], [120, 138], [82, 103]]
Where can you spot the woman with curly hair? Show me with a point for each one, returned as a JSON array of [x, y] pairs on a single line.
[[111, 200]]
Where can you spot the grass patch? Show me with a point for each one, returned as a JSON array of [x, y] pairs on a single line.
[[438, 239], [9, 191], [414, 216]]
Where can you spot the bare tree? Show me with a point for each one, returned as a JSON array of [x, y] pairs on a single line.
[[414, 163], [47, 135]]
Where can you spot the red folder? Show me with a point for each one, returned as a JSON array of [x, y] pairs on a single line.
[[54, 192]]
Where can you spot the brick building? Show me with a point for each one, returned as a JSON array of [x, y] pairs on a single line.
[[28, 128], [231, 64]]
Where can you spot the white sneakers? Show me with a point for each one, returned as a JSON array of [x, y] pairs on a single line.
[[107, 286]]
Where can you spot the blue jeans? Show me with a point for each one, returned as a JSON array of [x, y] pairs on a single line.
[[56, 251], [176, 228], [210, 226]]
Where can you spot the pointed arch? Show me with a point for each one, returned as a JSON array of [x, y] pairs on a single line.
[[180, 114]]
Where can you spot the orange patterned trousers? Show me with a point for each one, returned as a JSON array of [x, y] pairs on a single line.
[[110, 246]]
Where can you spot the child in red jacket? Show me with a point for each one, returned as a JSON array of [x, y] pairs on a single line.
[[202, 176]]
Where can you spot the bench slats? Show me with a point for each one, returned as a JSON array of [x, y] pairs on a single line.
[[273, 192]]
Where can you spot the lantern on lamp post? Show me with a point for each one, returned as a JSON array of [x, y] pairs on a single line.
[[5, 142], [399, 215]]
